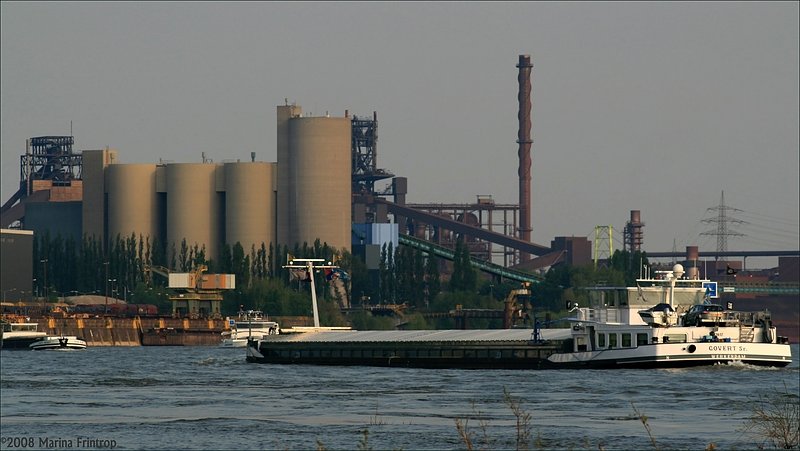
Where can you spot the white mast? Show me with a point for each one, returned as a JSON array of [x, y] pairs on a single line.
[[311, 264]]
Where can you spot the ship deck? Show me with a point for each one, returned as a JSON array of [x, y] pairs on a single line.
[[420, 336]]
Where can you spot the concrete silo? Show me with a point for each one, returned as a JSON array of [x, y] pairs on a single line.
[[250, 204], [319, 173], [285, 114], [94, 166], [193, 207], [132, 202]]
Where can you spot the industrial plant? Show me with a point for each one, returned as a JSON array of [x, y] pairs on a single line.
[[323, 187]]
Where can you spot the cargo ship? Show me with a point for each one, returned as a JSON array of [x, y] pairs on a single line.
[[621, 328]]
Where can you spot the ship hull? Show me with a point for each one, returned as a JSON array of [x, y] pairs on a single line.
[[395, 349]]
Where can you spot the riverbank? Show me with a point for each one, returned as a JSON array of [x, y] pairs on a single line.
[[139, 331]]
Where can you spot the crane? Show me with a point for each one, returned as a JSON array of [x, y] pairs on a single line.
[[197, 295]]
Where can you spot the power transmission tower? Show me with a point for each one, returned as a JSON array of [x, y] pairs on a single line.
[[602, 233], [722, 220]]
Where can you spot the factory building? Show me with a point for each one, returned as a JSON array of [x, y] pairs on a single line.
[[16, 265], [304, 196], [50, 187]]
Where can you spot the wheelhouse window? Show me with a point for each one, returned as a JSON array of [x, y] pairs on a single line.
[[612, 340], [601, 341], [642, 339], [626, 340]]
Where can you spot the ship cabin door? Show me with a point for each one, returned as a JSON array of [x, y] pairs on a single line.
[[582, 337]]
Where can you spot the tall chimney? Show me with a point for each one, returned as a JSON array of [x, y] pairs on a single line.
[[524, 140], [692, 269]]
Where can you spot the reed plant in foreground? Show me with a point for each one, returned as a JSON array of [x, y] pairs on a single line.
[[522, 427], [643, 418], [776, 419], [467, 436]]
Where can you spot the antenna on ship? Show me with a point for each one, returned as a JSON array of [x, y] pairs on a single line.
[[673, 276]]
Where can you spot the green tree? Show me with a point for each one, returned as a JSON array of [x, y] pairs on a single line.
[[253, 263], [464, 277], [418, 289], [262, 261], [362, 286], [629, 264], [225, 264], [140, 261], [240, 265], [173, 260], [159, 251], [198, 256], [457, 276], [183, 256], [432, 281], [470, 274], [404, 273]]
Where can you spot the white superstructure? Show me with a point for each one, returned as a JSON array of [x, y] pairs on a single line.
[[622, 327], [249, 324]]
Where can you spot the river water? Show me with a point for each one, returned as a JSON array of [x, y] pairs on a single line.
[[177, 398]]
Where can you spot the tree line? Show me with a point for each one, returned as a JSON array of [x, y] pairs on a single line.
[[64, 267]]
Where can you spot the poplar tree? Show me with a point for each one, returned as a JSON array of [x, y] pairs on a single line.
[[432, 281]]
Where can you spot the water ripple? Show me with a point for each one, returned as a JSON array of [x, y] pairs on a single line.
[[203, 397]]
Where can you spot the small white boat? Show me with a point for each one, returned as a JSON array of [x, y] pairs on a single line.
[[661, 315], [58, 342], [249, 324]]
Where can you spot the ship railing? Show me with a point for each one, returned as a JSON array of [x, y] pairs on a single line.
[[591, 315], [753, 318]]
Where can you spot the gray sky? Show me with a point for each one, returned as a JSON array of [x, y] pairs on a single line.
[[657, 107]]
